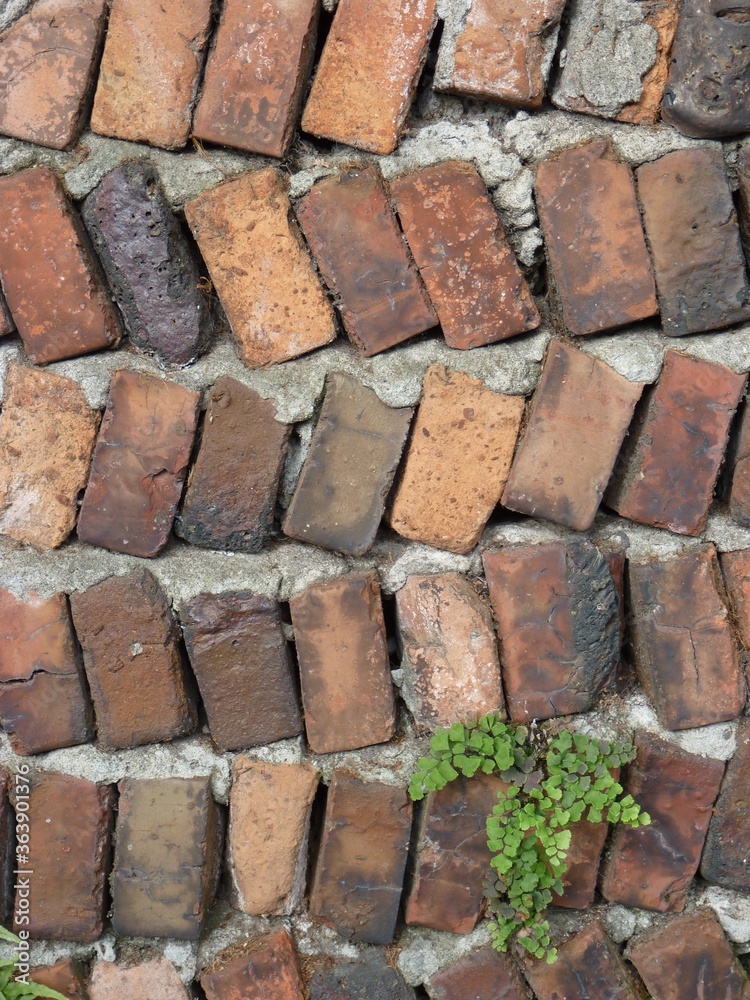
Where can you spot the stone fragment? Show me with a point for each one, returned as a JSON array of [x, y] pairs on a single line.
[[736, 570], [366, 79], [6, 320], [132, 660], [588, 965], [667, 469], [739, 466], [65, 976], [360, 866], [743, 179], [51, 281], [457, 461], [10, 851], [264, 967], [347, 475], [47, 66], [156, 979], [651, 867], [582, 860], [167, 857], [558, 616], [262, 273], [462, 254], [47, 434], [362, 256], [232, 487], [725, 856], [599, 265], [692, 229], [140, 463], [235, 641], [369, 978], [150, 69], [480, 975], [578, 419], [345, 673]]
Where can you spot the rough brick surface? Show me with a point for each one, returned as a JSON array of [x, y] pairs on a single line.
[[739, 489], [736, 569], [6, 320], [359, 872], [65, 976], [156, 979], [457, 461], [588, 965], [481, 975], [345, 673], [265, 967], [584, 854], [349, 468], [261, 271], [370, 978], [140, 463], [725, 856]]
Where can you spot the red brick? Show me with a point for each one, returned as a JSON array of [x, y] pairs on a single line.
[[344, 668], [261, 968], [156, 979], [736, 569], [666, 472], [52, 283], [361, 254], [140, 463], [457, 461], [578, 419], [725, 856], [600, 267], [739, 470], [481, 975], [262, 273], [360, 866], [65, 976], [588, 965], [652, 867], [369, 978], [10, 852]]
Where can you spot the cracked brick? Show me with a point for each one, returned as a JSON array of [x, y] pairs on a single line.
[[725, 859], [263, 967], [736, 570], [588, 965]]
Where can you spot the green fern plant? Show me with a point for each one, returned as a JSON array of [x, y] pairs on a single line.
[[12, 989], [554, 780]]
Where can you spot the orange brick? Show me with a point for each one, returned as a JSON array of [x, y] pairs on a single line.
[[156, 979], [262, 968]]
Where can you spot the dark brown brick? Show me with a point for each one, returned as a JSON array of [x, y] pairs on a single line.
[[51, 281], [558, 616], [167, 857], [65, 976], [579, 416], [240, 658], [359, 871], [9, 859], [265, 966], [132, 660], [736, 569], [584, 854], [588, 965], [743, 179], [347, 691], [481, 975], [232, 487], [6, 320], [666, 472], [362, 256], [349, 469], [156, 979], [140, 463], [725, 855], [739, 466], [369, 978]]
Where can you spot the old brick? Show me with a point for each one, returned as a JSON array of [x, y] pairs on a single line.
[[344, 669], [65, 976], [132, 661], [558, 618], [369, 978], [140, 463], [743, 178], [652, 867], [47, 434], [232, 487], [349, 469], [360, 867], [600, 267], [8, 857], [588, 965], [616, 562], [666, 472], [149, 73], [240, 658], [167, 857], [736, 569], [694, 237], [463, 256], [579, 416], [725, 856], [582, 860], [261, 271], [481, 975], [156, 979], [266, 966], [739, 465], [354, 237], [51, 281], [47, 63], [457, 461], [6, 320]]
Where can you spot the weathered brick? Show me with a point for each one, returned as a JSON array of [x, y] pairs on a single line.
[[481, 975], [463, 256], [65, 976], [558, 616], [150, 68], [588, 965], [578, 419], [599, 264], [667, 469], [457, 461], [355, 239], [692, 229], [149, 264], [47, 434], [616, 562], [344, 668], [582, 860], [369, 978], [743, 179], [47, 64], [140, 463], [366, 79], [240, 658], [265, 966], [8, 856], [262, 273], [739, 466], [349, 469], [6, 320], [167, 857], [725, 856], [736, 569], [232, 487], [156, 979], [652, 867], [132, 660], [50, 278], [360, 866]]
